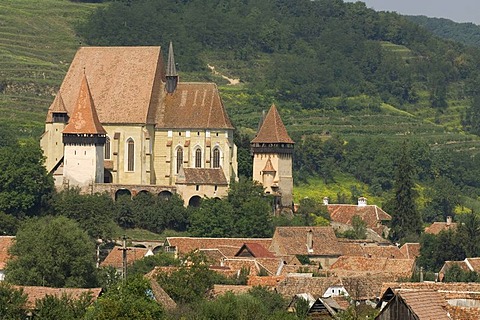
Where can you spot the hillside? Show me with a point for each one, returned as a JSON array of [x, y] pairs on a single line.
[[37, 43]]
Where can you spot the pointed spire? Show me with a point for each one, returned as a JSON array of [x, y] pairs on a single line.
[[272, 130], [171, 72], [84, 119], [57, 111]]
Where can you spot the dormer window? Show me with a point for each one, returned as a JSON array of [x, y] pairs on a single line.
[[60, 117]]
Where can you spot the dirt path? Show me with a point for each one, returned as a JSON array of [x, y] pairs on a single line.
[[231, 81]]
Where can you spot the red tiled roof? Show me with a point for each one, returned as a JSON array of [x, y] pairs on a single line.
[[410, 250], [220, 289], [437, 227], [58, 106], [228, 246], [201, 176], [351, 265], [5, 244], [372, 250], [272, 130], [344, 213], [36, 293], [474, 263], [255, 250], [115, 257], [84, 117], [269, 167], [426, 305], [194, 105], [293, 241]]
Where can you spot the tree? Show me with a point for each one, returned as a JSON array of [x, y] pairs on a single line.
[[130, 300], [64, 307], [52, 251], [12, 302], [444, 198], [406, 220], [25, 186]]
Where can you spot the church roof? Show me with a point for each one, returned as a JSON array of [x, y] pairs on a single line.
[[272, 130], [202, 176], [58, 106], [84, 118], [127, 85], [194, 105], [121, 80]]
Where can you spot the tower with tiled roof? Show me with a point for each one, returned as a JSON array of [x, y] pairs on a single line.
[[83, 140], [272, 150]]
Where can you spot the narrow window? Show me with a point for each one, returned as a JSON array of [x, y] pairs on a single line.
[[198, 158], [179, 158], [130, 155], [216, 158], [107, 148]]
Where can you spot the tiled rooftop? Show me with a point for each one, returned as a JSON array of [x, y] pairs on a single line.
[[5, 244], [115, 257], [272, 130]]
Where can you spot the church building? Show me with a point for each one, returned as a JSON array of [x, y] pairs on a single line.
[[123, 122], [272, 150]]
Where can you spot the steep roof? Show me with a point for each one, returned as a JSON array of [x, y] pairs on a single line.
[[344, 213], [84, 117], [115, 256], [58, 106], [272, 130], [5, 244], [410, 250], [354, 265], [293, 240], [125, 82], [194, 105], [255, 250], [372, 250], [201, 176], [427, 305]]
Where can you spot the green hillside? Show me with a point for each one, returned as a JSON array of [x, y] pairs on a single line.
[[37, 43]]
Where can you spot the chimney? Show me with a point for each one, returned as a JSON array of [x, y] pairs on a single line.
[[310, 241], [325, 201], [449, 220], [362, 202]]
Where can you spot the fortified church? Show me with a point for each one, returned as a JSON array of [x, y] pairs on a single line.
[[122, 122]]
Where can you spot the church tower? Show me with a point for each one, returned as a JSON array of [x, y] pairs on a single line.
[[272, 150], [171, 72], [84, 139]]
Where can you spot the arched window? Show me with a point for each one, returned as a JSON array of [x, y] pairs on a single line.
[[198, 158], [130, 155], [216, 158], [107, 148], [179, 158]]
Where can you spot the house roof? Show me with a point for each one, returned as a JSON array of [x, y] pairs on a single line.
[[5, 244], [161, 296], [316, 286], [194, 105], [372, 250], [410, 250], [83, 118], [427, 305], [220, 289], [35, 293], [450, 290], [115, 256], [228, 246], [344, 213], [272, 130], [437, 227], [351, 265], [474, 263], [255, 250], [293, 240], [201, 176]]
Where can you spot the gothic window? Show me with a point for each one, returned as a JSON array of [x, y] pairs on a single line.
[[198, 158], [107, 148], [216, 158], [179, 158], [130, 155]]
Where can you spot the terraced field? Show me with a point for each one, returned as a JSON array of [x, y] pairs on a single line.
[[37, 43]]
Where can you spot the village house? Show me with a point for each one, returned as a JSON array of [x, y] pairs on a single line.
[[437, 227], [115, 257], [467, 265], [35, 293]]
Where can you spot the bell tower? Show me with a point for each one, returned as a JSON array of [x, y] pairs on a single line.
[[272, 150]]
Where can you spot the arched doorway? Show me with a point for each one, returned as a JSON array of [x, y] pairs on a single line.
[[195, 201], [122, 193], [165, 195]]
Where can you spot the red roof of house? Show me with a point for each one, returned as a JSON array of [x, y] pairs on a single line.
[[272, 130], [84, 117], [5, 244], [36, 293], [255, 250], [115, 257], [437, 227], [344, 213], [425, 305], [410, 250], [372, 250], [351, 265]]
